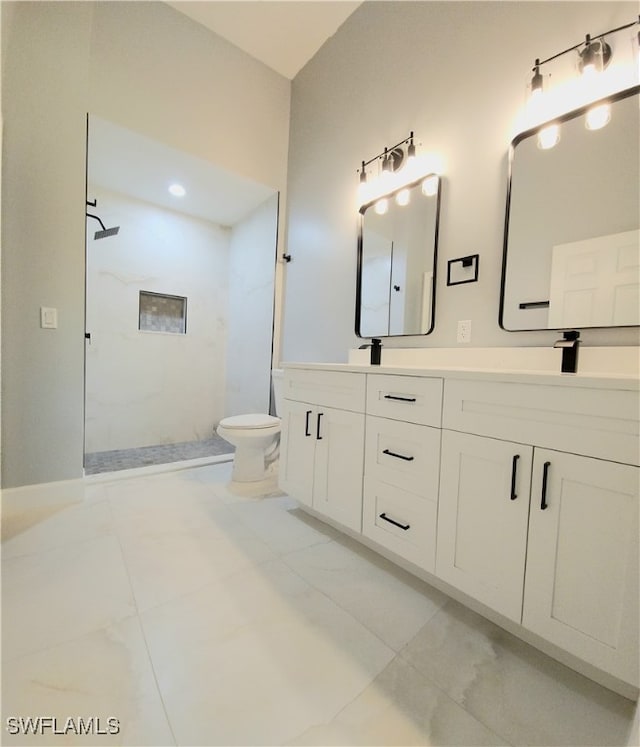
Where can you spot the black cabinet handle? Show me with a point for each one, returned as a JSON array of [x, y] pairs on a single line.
[[400, 399], [306, 423], [398, 456], [318, 436], [545, 475], [514, 469], [395, 523]]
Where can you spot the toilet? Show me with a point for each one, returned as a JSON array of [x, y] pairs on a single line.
[[256, 437]]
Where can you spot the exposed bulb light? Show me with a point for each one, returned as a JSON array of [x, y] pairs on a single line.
[[177, 190], [549, 136], [430, 186], [381, 206], [594, 57], [537, 81], [403, 197], [411, 151], [598, 117], [393, 170]]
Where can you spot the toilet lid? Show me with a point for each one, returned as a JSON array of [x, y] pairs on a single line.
[[253, 420]]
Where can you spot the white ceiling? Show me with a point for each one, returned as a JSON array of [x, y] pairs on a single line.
[[283, 34], [133, 164]]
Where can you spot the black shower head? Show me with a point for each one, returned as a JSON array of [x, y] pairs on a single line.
[[106, 232]]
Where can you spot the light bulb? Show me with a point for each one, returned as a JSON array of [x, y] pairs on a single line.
[[177, 190], [537, 82], [548, 136], [403, 197], [598, 116], [430, 186], [381, 206]]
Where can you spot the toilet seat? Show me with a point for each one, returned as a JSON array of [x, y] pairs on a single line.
[[249, 422]]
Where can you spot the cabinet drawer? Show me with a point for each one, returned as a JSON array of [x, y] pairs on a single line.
[[602, 423], [341, 389], [400, 521], [403, 454], [408, 398]]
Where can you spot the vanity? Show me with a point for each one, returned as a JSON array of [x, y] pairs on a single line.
[[513, 491]]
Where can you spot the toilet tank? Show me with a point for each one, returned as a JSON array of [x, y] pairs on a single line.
[[277, 377]]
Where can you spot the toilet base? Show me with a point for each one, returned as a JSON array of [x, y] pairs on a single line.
[[248, 464]]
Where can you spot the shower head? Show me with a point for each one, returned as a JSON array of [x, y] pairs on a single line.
[[106, 232]]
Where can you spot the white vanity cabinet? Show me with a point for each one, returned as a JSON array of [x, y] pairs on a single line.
[[482, 525], [402, 464], [322, 443], [518, 491], [581, 585], [572, 518]]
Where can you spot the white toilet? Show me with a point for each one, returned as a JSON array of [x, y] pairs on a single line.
[[256, 438]]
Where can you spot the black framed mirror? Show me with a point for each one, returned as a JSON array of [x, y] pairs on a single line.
[[397, 252], [571, 255]]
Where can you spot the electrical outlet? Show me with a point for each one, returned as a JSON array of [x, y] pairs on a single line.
[[464, 331]]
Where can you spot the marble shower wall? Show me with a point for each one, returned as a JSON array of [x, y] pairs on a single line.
[[145, 388], [251, 288]]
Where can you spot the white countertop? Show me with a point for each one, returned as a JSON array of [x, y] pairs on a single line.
[[528, 376]]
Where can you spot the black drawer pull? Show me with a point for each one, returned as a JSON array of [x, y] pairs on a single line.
[[398, 456], [306, 423], [395, 523], [318, 436], [400, 399], [514, 469], [545, 475]]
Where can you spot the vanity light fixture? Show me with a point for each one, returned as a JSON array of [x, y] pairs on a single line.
[[391, 165], [594, 55], [177, 190]]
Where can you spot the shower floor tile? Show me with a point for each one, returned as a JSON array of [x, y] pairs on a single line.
[[144, 456]]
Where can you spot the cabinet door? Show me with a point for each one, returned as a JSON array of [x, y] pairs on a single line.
[[297, 447], [581, 589], [482, 519], [339, 465]]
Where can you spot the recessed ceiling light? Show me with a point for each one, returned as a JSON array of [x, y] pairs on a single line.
[[177, 190]]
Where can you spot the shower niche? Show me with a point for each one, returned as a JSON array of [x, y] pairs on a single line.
[[159, 312]]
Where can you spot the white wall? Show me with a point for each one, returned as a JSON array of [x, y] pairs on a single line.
[[146, 388], [143, 66], [456, 74], [252, 265]]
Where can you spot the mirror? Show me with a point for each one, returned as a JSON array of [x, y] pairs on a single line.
[[395, 292], [571, 255]]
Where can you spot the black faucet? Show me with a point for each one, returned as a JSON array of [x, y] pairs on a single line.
[[376, 350], [569, 344]]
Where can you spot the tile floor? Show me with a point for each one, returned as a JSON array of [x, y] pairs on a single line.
[[197, 613], [98, 462]]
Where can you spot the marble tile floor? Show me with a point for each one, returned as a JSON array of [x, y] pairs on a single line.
[[121, 459], [199, 612]]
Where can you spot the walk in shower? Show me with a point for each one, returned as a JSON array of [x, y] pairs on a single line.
[[179, 301]]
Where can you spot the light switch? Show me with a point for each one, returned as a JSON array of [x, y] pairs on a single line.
[[48, 318]]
